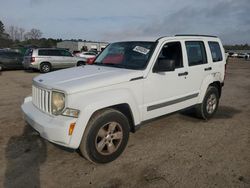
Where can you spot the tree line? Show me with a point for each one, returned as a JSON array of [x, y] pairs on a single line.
[[237, 47], [17, 36], [14, 36]]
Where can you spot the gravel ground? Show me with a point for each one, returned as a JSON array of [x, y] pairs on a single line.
[[175, 151]]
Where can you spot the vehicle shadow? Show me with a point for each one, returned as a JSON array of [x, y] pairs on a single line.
[[223, 112], [24, 155]]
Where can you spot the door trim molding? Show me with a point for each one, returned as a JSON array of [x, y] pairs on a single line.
[[168, 103]]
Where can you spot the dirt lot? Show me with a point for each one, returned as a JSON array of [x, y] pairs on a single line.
[[175, 151]]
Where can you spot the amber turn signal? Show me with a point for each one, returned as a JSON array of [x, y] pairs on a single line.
[[71, 128]]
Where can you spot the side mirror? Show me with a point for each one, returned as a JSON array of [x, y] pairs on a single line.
[[164, 65]]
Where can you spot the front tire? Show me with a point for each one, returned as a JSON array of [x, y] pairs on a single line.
[[210, 103], [105, 137], [81, 63], [1, 67]]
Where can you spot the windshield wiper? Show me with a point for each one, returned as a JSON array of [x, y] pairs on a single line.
[[111, 65]]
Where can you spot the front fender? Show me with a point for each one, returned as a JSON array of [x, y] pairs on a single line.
[[101, 100]]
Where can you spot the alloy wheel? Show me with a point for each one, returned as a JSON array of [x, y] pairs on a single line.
[[211, 103], [109, 138]]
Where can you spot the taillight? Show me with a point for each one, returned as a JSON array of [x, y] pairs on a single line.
[[225, 72], [33, 59]]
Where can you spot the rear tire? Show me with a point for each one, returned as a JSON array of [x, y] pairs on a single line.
[[1, 67], [210, 103], [45, 67], [105, 137]]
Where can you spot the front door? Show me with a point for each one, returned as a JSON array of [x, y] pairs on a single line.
[[165, 92]]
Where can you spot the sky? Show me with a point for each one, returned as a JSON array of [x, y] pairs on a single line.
[[114, 20]]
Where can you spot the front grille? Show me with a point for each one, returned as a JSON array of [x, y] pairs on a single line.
[[41, 98]]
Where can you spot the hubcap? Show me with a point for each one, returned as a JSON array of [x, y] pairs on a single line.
[[109, 138], [211, 103], [45, 68]]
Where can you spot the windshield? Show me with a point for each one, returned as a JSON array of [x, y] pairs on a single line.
[[129, 55]]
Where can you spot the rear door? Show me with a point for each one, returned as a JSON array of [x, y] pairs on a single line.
[[198, 65], [55, 58], [217, 58], [5, 60], [10, 60], [17, 63], [67, 59]]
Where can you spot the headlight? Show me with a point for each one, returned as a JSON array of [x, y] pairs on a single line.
[[58, 102]]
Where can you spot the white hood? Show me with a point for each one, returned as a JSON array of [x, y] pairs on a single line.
[[85, 78]]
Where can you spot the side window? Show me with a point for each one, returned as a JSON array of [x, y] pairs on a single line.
[[65, 53], [196, 53], [54, 52], [172, 51], [215, 51], [43, 52]]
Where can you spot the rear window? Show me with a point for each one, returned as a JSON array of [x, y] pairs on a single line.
[[215, 51]]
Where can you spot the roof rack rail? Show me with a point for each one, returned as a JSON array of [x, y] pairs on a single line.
[[161, 38], [193, 35]]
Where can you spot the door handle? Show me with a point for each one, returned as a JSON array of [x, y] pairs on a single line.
[[183, 74], [208, 69]]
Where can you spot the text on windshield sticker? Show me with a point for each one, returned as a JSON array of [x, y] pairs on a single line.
[[141, 50]]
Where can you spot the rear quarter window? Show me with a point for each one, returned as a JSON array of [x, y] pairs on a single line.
[[215, 51]]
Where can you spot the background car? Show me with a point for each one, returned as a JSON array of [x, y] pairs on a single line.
[[234, 55], [10, 60], [86, 54], [47, 59], [243, 55]]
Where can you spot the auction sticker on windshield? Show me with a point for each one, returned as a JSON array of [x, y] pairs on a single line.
[[141, 50]]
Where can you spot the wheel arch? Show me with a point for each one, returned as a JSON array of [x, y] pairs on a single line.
[[89, 109], [125, 109], [80, 61], [218, 85], [209, 81], [3, 66], [47, 62]]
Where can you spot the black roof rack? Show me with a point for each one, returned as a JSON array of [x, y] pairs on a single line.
[[193, 35]]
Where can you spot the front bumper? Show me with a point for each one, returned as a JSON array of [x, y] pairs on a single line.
[[53, 128]]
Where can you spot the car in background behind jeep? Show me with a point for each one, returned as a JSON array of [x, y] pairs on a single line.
[[10, 60], [86, 54], [243, 55], [47, 59]]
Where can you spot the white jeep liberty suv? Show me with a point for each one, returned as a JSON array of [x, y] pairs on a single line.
[[94, 107]]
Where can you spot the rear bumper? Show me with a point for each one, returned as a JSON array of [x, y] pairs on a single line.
[[54, 129], [28, 65]]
